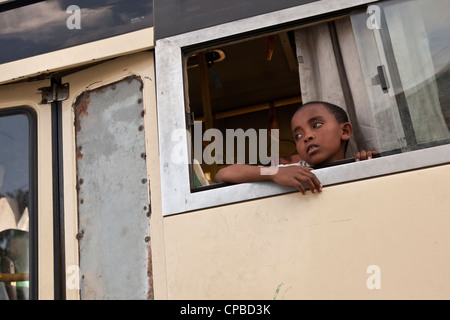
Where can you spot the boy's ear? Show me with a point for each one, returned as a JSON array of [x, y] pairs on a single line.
[[347, 131]]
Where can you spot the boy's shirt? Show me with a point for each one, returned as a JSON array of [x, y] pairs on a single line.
[[300, 163]]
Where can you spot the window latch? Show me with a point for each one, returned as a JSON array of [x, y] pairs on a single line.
[[381, 79], [56, 92]]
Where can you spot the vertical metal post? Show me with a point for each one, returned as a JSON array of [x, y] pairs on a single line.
[[58, 199]]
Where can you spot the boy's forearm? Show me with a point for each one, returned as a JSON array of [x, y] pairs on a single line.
[[294, 176], [240, 173]]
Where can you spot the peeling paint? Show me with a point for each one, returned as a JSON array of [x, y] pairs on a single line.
[[277, 291]]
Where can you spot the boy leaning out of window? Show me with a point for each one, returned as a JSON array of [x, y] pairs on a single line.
[[321, 132]]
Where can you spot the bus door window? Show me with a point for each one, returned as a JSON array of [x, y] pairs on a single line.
[[14, 206]]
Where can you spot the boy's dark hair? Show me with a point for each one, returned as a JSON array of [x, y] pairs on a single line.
[[339, 113]]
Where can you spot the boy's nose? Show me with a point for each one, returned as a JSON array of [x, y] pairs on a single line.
[[308, 137]]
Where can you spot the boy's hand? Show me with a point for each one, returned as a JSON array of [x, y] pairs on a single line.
[[296, 176], [365, 155]]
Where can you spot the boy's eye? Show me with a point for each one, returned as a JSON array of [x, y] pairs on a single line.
[[317, 125], [297, 136]]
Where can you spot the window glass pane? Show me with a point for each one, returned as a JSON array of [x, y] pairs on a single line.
[[57, 24], [412, 57], [14, 206]]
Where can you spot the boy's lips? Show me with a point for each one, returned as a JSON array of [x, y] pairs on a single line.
[[311, 148]]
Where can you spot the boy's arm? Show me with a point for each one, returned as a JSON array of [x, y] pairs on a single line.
[[239, 173], [294, 176]]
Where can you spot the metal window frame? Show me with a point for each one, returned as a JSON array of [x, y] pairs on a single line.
[[177, 196]]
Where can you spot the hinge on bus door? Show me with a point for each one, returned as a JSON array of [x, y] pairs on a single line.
[[190, 119], [57, 92]]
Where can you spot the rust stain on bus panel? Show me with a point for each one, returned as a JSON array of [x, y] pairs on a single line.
[[150, 295], [81, 109]]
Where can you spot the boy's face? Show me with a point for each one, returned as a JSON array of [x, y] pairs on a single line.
[[319, 138]]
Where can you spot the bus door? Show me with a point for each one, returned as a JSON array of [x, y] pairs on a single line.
[[26, 193], [75, 184]]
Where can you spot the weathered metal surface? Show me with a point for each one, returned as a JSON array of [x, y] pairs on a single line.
[[113, 193]]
